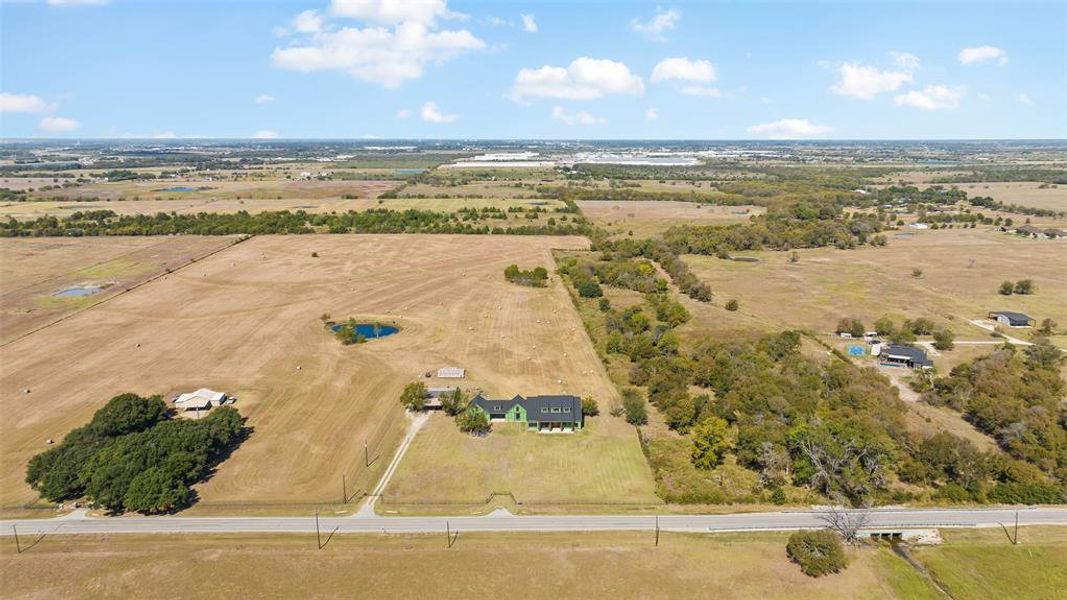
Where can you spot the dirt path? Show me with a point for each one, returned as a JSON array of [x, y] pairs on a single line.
[[416, 424]]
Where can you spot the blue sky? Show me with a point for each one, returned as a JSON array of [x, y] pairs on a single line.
[[567, 70]]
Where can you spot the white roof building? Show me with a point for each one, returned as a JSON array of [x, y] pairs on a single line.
[[451, 373], [202, 398]]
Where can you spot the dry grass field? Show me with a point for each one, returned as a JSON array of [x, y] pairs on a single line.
[[501, 565], [31, 210], [1023, 193], [650, 218], [274, 188], [246, 321], [602, 465], [961, 271], [33, 270]]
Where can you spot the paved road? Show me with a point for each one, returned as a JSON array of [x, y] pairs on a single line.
[[501, 520]]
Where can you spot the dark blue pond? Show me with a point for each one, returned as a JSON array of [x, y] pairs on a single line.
[[180, 189], [368, 330]]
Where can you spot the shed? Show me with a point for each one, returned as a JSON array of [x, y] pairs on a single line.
[[1012, 319], [201, 399]]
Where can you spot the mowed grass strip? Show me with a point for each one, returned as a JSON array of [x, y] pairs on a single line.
[[602, 464], [504, 565], [983, 564]]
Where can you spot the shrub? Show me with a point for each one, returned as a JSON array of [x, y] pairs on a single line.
[[634, 405], [731, 304], [817, 552], [590, 289], [1024, 287], [590, 407], [473, 421], [944, 339], [536, 277], [1006, 288], [1026, 493]]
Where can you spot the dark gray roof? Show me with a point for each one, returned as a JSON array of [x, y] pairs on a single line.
[[915, 355], [1013, 316], [534, 406]]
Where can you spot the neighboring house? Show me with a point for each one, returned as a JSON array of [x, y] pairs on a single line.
[[539, 413], [1012, 319], [907, 356], [202, 399]]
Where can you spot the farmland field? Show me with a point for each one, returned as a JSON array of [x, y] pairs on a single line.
[[246, 321], [582, 565], [1024, 193], [193, 205], [961, 271], [650, 217], [34, 270]]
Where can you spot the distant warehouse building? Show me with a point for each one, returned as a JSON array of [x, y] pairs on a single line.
[[539, 413], [905, 356], [1012, 319]]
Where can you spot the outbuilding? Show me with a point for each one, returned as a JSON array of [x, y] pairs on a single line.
[[202, 399], [1012, 319]]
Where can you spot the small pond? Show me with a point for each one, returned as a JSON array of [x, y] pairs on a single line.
[[181, 189], [78, 291], [368, 331]]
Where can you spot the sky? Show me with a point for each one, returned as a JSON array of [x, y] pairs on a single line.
[[532, 70]]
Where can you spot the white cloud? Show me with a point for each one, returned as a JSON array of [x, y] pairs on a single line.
[[78, 2], [164, 135], [982, 54], [656, 27], [403, 40], [392, 12], [575, 118], [529, 25], [309, 21], [786, 129], [264, 98], [58, 124], [1024, 98], [683, 69], [863, 82], [265, 134], [932, 97], [651, 113], [704, 91], [403, 113], [431, 114], [584, 79], [25, 103], [905, 60]]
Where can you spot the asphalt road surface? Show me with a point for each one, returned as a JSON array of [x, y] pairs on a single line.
[[79, 523]]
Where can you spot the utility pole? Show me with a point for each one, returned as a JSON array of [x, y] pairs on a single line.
[[18, 547], [448, 534], [344, 489], [318, 537], [366, 456], [657, 530], [1016, 542]]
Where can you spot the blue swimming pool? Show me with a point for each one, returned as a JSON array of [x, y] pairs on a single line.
[[367, 331]]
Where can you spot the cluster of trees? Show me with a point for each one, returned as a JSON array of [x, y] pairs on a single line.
[[582, 276], [1016, 396], [535, 277], [133, 456], [1023, 287], [630, 274], [377, 220], [664, 255], [907, 333], [800, 225]]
